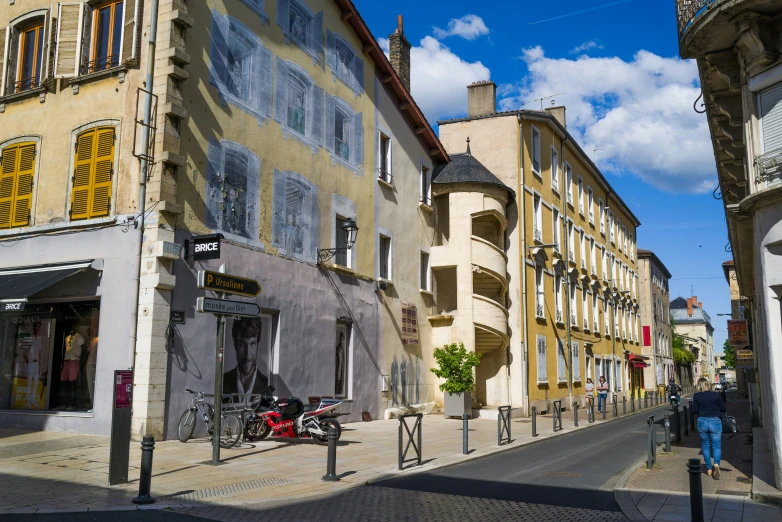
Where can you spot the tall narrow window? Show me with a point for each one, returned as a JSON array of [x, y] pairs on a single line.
[[592, 256], [342, 353], [106, 35], [537, 219], [581, 196], [426, 186], [595, 314], [540, 293], [602, 216], [555, 228], [385, 257], [573, 314], [571, 242], [344, 255], [584, 307], [561, 365], [611, 224], [576, 361], [92, 176], [604, 261], [384, 169], [590, 204], [554, 169], [605, 316], [558, 297], [535, 151], [30, 61], [425, 272], [541, 356], [16, 184], [569, 183]]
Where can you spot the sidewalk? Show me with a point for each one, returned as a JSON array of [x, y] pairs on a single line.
[[66, 472]]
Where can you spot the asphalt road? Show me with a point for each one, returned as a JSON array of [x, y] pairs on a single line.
[[577, 470]]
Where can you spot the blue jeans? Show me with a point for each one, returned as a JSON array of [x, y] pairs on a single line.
[[710, 429], [601, 401]]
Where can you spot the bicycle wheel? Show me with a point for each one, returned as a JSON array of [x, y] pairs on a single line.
[[186, 425], [230, 431]]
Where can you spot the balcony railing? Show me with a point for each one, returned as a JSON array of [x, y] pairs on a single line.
[[689, 10], [24, 84], [99, 64], [384, 175], [769, 166]]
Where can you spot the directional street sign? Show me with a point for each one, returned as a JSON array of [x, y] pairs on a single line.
[[230, 284], [226, 307]]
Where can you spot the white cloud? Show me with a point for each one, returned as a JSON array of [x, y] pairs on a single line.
[[639, 112], [468, 27], [586, 46], [439, 78]]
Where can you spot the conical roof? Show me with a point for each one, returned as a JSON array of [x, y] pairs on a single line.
[[465, 168]]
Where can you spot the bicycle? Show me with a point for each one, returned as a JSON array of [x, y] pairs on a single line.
[[230, 426]]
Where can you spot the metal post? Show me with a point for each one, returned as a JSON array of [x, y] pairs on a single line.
[[465, 444], [652, 444], [575, 415], [624, 404], [696, 490], [632, 403], [534, 421], [686, 424], [677, 427], [646, 401], [145, 478], [667, 433], [691, 420], [616, 406], [218, 398], [604, 411], [331, 462]]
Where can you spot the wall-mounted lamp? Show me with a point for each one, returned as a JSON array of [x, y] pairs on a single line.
[[350, 227]]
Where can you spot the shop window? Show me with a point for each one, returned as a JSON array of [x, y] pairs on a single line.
[[17, 172], [301, 26], [294, 215], [298, 105], [346, 64], [342, 361], [92, 173], [344, 134], [51, 353]]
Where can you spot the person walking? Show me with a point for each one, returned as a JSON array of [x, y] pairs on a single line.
[[708, 405], [590, 393], [602, 394]]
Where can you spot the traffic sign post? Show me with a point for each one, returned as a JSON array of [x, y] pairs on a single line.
[[227, 307], [218, 282]]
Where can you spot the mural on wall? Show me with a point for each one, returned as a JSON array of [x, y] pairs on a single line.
[[241, 67], [257, 6], [345, 63], [295, 216], [298, 104], [344, 136], [302, 27], [405, 380], [233, 194]]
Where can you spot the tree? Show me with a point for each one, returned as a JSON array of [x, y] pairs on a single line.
[[455, 366], [730, 355]]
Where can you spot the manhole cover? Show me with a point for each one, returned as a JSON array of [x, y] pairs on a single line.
[[562, 474], [228, 489]]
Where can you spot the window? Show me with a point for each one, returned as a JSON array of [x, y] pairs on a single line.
[[344, 134], [30, 61], [632, 248], [535, 151], [17, 171], [576, 361], [241, 67], [558, 296], [624, 239], [345, 63], [569, 183], [604, 261], [106, 36], [342, 362], [571, 242], [344, 256], [611, 224], [301, 26], [425, 185], [298, 103], [540, 293], [92, 173], [425, 272], [592, 256], [554, 169], [573, 319], [618, 373], [555, 228], [770, 111], [541, 356], [605, 316], [384, 159], [233, 190], [584, 307], [561, 365], [581, 196], [602, 216], [582, 249], [595, 314], [590, 204], [295, 212], [385, 258], [537, 219]]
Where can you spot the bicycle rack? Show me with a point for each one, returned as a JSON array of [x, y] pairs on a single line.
[[411, 434], [503, 425], [557, 417]]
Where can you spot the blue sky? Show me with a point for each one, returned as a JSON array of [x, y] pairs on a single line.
[[627, 94]]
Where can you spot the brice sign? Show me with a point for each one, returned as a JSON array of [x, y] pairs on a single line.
[[203, 247]]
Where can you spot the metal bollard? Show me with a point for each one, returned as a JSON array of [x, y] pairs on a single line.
[[696, 490], [331, 462], [651, 443], [591, 414], [145, 478], [646, 401], [575, 415], [632, 404], [677, 426], [534, 421], [465, 444], [624, 404], [616, 406], [667, 433], [686, 424]]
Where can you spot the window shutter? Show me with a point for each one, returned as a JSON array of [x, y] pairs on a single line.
[[576, 362], [284, 14], [24, 185], [542, 369], [281, 89], [218, 52], [266, 65], [3, 52], [561, 374], [7, 181], [357, 67], [278, 209], [104, 170], [358, 138], [330, 108], [213, 202], [69, 22], [331, 50], [315, 33], [317, 115], [129, 33], [48, 56], [82, 167], [771, 117], [12, 61]]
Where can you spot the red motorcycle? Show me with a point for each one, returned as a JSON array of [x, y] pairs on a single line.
[[290, 418]]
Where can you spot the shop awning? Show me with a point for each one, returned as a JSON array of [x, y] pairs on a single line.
[[21, 283], [636, 357], [637, 364]]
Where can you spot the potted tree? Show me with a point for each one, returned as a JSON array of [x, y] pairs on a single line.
[[456, 367]]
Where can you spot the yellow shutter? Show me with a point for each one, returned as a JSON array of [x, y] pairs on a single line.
[[24, 185], [92, 174], [82, 167], [104, 168], [7, 182]]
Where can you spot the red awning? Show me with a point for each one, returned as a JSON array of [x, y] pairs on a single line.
[[635, 357], [637, 364]]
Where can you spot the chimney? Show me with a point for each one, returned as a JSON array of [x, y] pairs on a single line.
[[700, 305], [481, 98], [399, 53], [559, 114], [689, 306]]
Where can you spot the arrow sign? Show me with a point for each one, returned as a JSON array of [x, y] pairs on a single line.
[[230, 284], [227, 307]]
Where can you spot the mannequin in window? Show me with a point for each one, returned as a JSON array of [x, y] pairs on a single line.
[[74, 348], [92, 359]]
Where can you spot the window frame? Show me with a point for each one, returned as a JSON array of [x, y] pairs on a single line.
[[94, 23], [541, 358], [569, 183], [554, 169], [602, 216], [389, 276], [537, 218], [590, 205], [580, 189], [561, 356], [559, 283], [425, 271], [39, 26], [535, 150], [335, 106], [23, 140], [314, 94], [585, 306], [425, 185], [385, 176], [75, 133], [312, 18], [556, 230], [355, 78], [540, 293]]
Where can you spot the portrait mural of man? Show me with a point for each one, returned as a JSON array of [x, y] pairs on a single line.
[[248, 356]]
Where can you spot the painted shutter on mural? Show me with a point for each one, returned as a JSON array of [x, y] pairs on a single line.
[[331, 50], [278, 208], [315, 33], [266, 64], [542, 363], [283, 14], [358, 139], [103, 173], [317, 115], [771, 117], [213, 202], [66, 58], [218, 54], [576, 362], [82, 172], [357, 68], [281, 92], [330, 109], [561, 373]]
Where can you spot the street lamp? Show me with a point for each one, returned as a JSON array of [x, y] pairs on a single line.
[[351, 229]]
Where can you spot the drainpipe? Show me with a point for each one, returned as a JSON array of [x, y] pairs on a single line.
[[568, 311], [144, 172], [523, 215]]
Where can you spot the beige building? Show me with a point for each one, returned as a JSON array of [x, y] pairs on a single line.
[[655, 303], [549, 273], [693, 324]]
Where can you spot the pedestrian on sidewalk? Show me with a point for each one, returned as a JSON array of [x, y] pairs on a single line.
[[602, 394], [590, 393], [708, 405]]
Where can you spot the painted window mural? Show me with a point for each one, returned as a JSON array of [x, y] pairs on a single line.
[[345, 63], [344, 135], [295, 216], [233, 191], [301, 26], [258, 7], [298, 104], [241, 67]]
